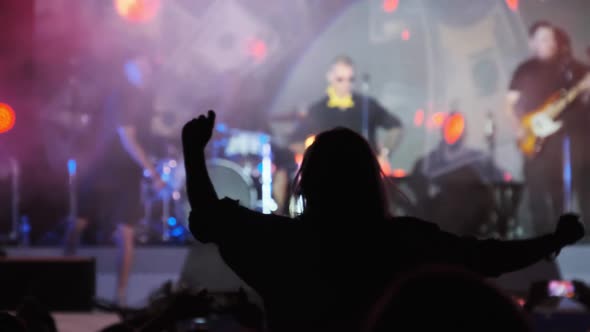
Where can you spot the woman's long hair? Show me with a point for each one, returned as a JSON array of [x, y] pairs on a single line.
[[340, 175]]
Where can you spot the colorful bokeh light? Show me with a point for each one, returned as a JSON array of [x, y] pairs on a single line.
[[513, 5], [258, 49], [298, 158], [309, 141], [390, 6], [399, 173], [7, 118], [454, 128], [419, 117], [137, 10], [436, 120], [406, 34]]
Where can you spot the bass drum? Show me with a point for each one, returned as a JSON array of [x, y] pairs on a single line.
[[229, 180]]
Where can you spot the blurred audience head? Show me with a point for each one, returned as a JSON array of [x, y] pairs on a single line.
[[440, 298], [340, 174], [9, 323], [35, 316]]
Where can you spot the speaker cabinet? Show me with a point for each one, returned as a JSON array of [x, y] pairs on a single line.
[[61, 284]]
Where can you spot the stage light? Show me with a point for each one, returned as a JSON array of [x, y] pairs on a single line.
[[72, 166], [419, 117], [513, 5], [406, 35], [177, 232], [390, 6], [298, 158], [258, 49], [454, 128], [309, 141], [221, 127], [7, 118], [436, 120], [137, 10], [385, 166], [398, 173]]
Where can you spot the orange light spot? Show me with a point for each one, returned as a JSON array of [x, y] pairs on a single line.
[[309, 141], [436, 120], [137, 10], [399, 173], [454, 128], [298, 158], [419, 117], [258, 49], [519, 301], [7, 118], [513, 5], [390, 6], [406, 35]]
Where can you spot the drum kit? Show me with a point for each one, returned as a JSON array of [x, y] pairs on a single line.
[[240, 167]]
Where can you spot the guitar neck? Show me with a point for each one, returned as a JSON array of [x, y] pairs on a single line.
[[557, 107]]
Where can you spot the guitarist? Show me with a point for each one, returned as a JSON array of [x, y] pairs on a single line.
[[551, 69]]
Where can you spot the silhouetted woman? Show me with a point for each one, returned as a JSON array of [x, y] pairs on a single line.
[[324, 269]]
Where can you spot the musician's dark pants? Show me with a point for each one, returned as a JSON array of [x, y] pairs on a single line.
[[544, 182], [580, 154]]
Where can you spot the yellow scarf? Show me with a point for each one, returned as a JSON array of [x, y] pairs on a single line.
[[334, 101]]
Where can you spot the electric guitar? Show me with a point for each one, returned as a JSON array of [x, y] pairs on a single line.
[[541, 122]]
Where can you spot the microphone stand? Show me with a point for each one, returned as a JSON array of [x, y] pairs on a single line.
[[74, 105], [490, 132], [365, 87], [506, 195]]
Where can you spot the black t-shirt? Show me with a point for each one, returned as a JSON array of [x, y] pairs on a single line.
[[125, 105], [314, 275], [322, 118], [538, 80]]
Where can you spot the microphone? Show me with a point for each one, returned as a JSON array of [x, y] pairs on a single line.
[[490, 126], [365, 79]]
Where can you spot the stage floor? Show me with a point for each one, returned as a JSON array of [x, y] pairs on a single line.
[[82, 322], [155, 265]]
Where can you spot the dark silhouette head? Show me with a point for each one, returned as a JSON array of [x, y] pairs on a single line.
[[35, 315], [340, 174], [9, 323]]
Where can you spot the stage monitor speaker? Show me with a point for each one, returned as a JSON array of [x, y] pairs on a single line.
[[61, 284]]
